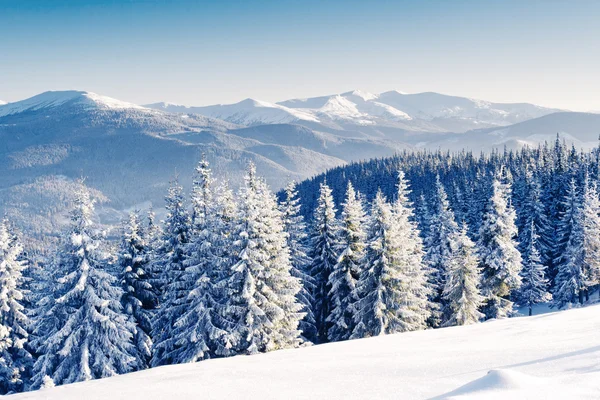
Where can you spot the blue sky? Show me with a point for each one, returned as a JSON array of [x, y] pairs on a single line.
[[196, 52]]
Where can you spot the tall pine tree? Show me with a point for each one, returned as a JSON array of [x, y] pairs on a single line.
[[88, 335], [347, 270], [15, 359], [501, 262], [324, 238], [261, 291], [297, 241], [462, 284]]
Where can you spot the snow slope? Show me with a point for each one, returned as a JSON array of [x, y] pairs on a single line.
[[549, 356]]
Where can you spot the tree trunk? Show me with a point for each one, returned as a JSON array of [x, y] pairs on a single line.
[[530, 311]]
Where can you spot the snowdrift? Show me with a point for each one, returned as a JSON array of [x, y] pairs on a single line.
[[549, 356]]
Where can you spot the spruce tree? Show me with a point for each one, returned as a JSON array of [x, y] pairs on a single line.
[[462, 284], [297, 241], [570, 278], [139, 296], [439, 243], [591, 236], [347, 270], [15, 359], [378, 286], [579, 265], [324, 238], [198, 333], [393, 291], [535, 285], [261, 291], [415, 308], [500, 259], [88, 336], [172, 283]]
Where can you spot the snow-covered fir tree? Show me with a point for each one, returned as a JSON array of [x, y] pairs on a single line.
[[347, 270], [140, 298], [324, 239], [415, 307], [579, 264], [443, 230], [591, 235], [172, 283], [379, 284], [15, 359], [393, 291], [534, 289], [261, 291], [197, 332], [570, 278], [462, 284], [88, 336], [297, 241], [500, 259]]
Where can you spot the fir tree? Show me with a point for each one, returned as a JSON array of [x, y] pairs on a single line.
[[173, 285], [570, 277], [392, 290], [139, 297], [439, 243], [579, 265], [261, 292], [415, 307], [346, 271], [462, 284], [297, 240], [198, 333], [535, 285], [88, 335], [591, 235], [15, 359], [499, 256], [324, 239]]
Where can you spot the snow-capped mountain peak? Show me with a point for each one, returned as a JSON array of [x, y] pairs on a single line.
[[365, 96], [53, 99]]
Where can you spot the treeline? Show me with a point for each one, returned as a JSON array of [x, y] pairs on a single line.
[[240, 273]]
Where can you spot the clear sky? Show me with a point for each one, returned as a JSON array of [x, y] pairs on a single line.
[[203, 52]]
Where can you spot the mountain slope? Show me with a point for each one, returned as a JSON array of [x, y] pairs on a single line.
[[550, 356]]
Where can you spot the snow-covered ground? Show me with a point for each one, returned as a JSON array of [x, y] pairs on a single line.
[[548, 356]]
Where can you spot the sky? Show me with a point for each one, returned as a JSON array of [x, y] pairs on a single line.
[[206, 52]]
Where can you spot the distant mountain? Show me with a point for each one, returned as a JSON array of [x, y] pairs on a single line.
[[128, 153], [369, 113], [580, 129], [2, 102], [246, 112]]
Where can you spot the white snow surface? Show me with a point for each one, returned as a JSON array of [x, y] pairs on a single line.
[[549, 356]]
